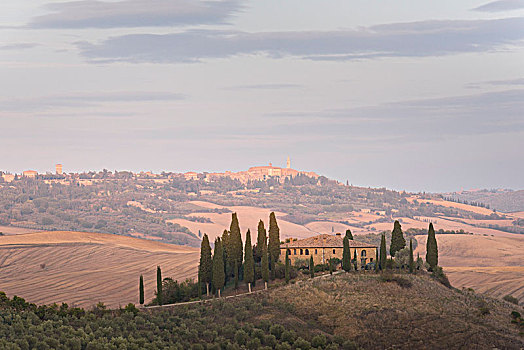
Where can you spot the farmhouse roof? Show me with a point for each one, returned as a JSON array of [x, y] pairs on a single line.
[[327, 241]]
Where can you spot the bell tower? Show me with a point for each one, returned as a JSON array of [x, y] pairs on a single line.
[[288, 163]]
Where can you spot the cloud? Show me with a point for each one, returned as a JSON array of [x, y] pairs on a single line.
[[135, 13], [501, 5], [416, 39], [86, 99], [273, 86], [416, 120], [19, 46], [519, 81], [508, 82]]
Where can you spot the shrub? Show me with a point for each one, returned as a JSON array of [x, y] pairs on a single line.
[[253, 344], [439, 275], [283, 346], [280, 271], [270, 340], [511, 299], [483, 307], [276, 330], [288, 336], [390, 264], [349, 345], [257, 333], [301, 344], [401, 281], [131, 308], [319, 341], [241, 337]]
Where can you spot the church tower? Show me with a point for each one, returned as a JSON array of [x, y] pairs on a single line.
[[288, 163]]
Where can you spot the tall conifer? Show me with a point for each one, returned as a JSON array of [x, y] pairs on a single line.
[[349, 235], [235, 243], [141, 290], [159, 296], [311, 267], [218, 266], [226, 252], [287, 266], [383, 252], [397, 239], [431, 248], [261, 241], [235, 272], [346, 255], [249, 262], [355, 260], [411, 262], [274, 242], [205, 268], [265, 264]]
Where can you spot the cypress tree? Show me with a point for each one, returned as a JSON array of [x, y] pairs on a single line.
[[346, 255], [330, 266], [311, 267], [274, 242], [235, 271], [226, 252], [431, 248], [287, 266], [355, 260], [159, 296], [235, 244], [383, 252], [205, 268], [411, 263], [261, 241], [397, 239], [249, 262], [141, 290], [218, 266], [265, 264], [349, 235]]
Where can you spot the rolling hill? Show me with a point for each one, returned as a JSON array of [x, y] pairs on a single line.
[[82, 268], [489, 264]]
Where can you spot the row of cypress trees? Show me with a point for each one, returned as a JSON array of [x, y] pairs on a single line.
[[398, 243], [230, 257]]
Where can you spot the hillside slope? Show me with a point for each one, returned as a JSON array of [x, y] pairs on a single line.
[[84, 268], [382, 315]]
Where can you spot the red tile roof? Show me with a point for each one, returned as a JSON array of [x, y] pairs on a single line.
[[326, 241]]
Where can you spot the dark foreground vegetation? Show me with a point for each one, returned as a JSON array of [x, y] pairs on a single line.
[[344, 311]]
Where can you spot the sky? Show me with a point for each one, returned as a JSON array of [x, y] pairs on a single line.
[[409, 95]]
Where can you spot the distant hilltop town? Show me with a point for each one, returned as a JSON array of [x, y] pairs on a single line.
[[256, 173]]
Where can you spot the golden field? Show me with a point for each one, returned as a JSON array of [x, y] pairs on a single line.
[[84, 268], [491, 265]]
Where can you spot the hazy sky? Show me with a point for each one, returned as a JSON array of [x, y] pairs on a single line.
[[415, 95]]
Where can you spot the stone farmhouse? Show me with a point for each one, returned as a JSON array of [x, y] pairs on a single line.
[[324, 247]]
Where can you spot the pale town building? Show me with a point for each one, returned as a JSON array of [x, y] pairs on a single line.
[[30, 173]]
